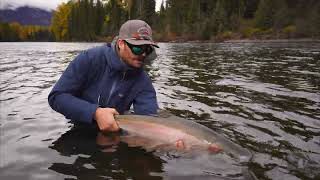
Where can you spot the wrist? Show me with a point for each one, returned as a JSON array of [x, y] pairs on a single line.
[[96, 113]]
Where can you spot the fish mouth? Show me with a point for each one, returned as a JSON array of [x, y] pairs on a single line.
[[123, 132], [120, 132]]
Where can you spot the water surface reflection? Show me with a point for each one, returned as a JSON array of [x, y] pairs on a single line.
[[262, 96]]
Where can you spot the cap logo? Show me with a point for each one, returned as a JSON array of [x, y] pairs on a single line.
[[142, 33], [135, 35]]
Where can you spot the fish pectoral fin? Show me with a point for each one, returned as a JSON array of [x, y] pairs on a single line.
[[214, 148], [180, 144]]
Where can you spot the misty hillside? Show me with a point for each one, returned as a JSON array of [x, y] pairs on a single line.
[[26, 16]]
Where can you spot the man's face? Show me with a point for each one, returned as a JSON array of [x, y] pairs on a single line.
[[129, 57]]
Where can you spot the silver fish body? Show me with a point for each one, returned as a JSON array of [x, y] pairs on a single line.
[[167, 130]]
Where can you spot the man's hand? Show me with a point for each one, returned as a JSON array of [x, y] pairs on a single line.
[[105, 119]]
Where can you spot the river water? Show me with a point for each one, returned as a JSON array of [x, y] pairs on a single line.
[[264, 97]]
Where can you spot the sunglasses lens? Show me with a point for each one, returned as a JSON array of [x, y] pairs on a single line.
[[137, 50]]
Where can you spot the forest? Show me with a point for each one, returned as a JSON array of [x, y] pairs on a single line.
[[177, 20]]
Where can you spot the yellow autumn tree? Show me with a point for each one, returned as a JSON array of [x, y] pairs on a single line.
[[59, 23]]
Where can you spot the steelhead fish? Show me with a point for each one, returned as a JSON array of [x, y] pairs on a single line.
[[151, 133], [173, 132], [167, 132]]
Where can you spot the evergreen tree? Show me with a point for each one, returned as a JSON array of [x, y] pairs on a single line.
[[250, 7], [193, 17], [177, 13], [73, 22], [220, 17], [190, 19], [14, 31], [264, 16], [161, 19], [281, 16], [115, 17], [134, 8], [85, 20], [99, 17], [5, 32], [148, 11], [315, 21], [91, 21]]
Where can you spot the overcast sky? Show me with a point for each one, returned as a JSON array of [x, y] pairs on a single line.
[[44, 4]]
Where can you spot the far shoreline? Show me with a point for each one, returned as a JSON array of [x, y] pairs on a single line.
[[244, 40], [271, 40], [304, 40]]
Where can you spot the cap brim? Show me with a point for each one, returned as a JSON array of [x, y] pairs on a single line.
[[141, 42]]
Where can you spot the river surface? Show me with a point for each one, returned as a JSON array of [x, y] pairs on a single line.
[[264, 97]]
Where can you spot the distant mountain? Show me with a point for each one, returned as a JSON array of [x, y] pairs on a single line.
[[26, 16]]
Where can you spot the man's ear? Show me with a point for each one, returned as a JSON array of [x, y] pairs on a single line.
[[121, 44]]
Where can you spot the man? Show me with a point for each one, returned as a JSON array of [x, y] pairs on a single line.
[[105, 81]]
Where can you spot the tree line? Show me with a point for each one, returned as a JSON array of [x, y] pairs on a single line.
[[16, 32], [236, 19], [177, 20], [88, 20]]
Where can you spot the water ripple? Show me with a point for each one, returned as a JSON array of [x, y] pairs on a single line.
[[262, 96]]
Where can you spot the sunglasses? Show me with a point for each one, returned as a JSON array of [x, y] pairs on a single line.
[[139, 50]]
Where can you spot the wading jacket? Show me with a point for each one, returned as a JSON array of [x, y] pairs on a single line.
[[98, 78]]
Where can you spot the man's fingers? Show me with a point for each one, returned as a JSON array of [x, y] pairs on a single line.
[[113, 111], [115, 126], [106, 119]]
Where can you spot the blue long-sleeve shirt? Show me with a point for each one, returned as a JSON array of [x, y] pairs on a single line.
[[99, 78]]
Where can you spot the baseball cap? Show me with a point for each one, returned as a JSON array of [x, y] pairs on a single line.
[[137, 32]]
